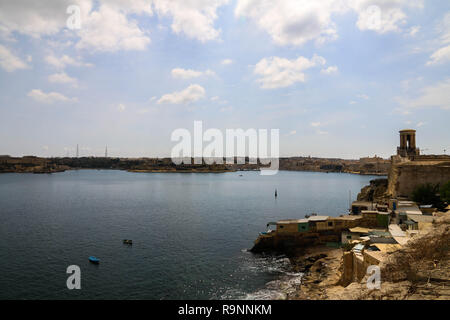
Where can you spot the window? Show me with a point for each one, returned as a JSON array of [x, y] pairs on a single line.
[[349, 237], [330, 224]]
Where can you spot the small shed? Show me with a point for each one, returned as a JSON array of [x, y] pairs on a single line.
[[348, 237], [383, 219], [420, 222], [359, 206]]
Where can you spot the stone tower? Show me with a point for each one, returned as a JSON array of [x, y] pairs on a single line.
[[408, 143]]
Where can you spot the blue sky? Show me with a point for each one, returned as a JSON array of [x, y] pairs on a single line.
[[338, 78]]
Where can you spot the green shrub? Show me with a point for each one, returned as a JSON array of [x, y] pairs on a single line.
[[428, 194], [445, 192]]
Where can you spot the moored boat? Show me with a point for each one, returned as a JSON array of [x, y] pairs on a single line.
[[94, 260]]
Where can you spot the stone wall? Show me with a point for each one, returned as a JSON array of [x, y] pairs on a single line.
[[411, 176], [405, 176]]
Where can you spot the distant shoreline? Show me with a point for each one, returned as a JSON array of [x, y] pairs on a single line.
[[192, 171], [31, 164]]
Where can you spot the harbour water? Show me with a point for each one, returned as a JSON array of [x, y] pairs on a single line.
[[190, 232]]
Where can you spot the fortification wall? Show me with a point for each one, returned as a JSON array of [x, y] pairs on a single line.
[[410, 175]]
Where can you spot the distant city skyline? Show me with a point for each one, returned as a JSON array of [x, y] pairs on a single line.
[[339, 79]]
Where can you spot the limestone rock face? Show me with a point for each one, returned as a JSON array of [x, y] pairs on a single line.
[[376, 190]]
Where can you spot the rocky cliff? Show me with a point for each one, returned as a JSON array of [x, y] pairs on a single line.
[[376, 191]]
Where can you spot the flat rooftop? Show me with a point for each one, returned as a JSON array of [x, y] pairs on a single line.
[[361, 203], [421, 218], [312, 218]]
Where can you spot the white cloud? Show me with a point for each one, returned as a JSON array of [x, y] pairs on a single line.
[[363, 96], [194, 18], [226, 109], [440, 56], [65, 60], [420, 124], [291, 133], [298, 21], [414, 30], [318, 125], [36, 18], [192, 93], [384, 16], [352, 102], [108, 25], [330, 70], [9, 61], [443, 29], [278, 72], [292, 21], [226, 61], [437, 96], [215, 98], [131, 6], [109, 29], [121, 107], [50, 97], [180, 73], [63, 78]]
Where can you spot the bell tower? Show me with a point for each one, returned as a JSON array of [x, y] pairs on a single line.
[[408, 143]]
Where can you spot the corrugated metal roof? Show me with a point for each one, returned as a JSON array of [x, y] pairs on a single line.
[[379, 233]]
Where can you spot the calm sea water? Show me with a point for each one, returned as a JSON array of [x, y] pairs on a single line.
[[190, 232]]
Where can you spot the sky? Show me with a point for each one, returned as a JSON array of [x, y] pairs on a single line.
[[337, 78]]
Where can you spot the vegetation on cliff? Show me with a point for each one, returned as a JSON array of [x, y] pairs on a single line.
[[429, 194], [445, 193]]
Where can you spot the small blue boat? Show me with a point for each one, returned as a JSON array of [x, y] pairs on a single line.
[[94, 260]]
